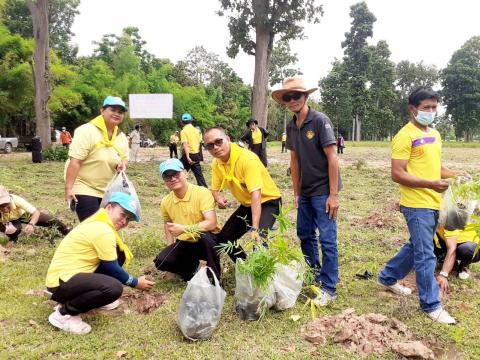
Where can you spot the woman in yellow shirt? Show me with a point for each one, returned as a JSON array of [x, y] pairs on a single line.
[[256, 138], [98, 150]]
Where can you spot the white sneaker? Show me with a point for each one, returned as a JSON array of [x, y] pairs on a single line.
[[69, 323], [397, 289], [441, 316], [111, 306], [463, 275], [324, 299]]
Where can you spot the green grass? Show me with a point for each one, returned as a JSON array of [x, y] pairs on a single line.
[[367, 189]]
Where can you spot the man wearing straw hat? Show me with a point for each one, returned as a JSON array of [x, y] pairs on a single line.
[[316, 182]]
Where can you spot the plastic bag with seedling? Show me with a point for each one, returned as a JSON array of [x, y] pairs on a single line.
[[201, 306], [459, 203], [121, 183]]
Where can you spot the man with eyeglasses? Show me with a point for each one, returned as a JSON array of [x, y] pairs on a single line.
[[316, 182], [242, 172], [191, 142], [86, 270], [190, 225]]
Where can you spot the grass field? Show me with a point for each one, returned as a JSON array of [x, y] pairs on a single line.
[[370, 232]]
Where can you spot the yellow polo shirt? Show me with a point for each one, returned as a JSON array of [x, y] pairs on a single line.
[[173, 139], [256, 136], [423, 150], [19, 208], [99, 163], [252, 175], [284, 137], [192, 137], [189, 210], [81, 251]]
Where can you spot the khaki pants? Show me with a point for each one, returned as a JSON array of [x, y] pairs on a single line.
[[134, 151]]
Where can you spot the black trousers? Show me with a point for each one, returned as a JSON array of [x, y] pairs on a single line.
[[182, 257], [339, 149], [87, 206], [85, 291], [261, 153], [195, 167], [464, 254], [284, 146], [241, 221], [173, 150], [44, 220]]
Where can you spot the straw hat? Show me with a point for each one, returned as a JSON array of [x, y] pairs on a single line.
[[291, 84]]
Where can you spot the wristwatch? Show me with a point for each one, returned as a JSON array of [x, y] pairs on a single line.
[[443, 274]]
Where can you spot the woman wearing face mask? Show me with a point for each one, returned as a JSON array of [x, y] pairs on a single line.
[[98, 150]]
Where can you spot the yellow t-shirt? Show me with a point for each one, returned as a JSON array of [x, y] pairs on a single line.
[[190, 210], [19, 207], [173, 139], [284, 137], [81, 251], [192, 137], [256, 136], [252, 175], [423, 150], [99, 163]]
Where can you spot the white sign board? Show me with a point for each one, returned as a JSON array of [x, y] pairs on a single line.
[[150, 106]]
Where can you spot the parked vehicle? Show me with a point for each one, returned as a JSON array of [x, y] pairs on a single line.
[[26, 141], [7, 144], [147, 143]]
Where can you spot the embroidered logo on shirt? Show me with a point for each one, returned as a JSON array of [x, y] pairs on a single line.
[[423, 141], [327, 126], [310, 134]]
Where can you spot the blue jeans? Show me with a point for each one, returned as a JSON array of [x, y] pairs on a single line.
[[417, 252], [312, 216]]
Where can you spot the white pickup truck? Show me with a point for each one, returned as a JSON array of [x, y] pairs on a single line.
[[8, 144]]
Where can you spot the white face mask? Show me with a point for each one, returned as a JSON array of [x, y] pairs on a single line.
[[9, 228], [425, 118]]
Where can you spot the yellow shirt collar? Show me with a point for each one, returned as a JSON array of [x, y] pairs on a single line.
[[187, 196]]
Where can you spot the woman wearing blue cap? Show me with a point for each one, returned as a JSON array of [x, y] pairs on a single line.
[[85, 272], [98, 150]]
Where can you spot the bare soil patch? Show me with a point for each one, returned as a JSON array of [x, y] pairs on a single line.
[[143, 302], [366, 334], [375, 220]]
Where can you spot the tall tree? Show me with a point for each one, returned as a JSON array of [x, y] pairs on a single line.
[[41, 68], [281, 63], [461, 88], [356, 59], [253, 25], [61, 14]]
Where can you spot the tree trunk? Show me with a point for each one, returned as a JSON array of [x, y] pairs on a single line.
[[263, 50], [354, 126], [358, 132], [41, 68]]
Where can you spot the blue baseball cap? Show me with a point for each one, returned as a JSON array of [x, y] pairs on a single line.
[[128, 202], [187, 117], [114, 101], [171, 164]]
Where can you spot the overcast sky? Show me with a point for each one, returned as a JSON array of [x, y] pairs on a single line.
[[415, 30]]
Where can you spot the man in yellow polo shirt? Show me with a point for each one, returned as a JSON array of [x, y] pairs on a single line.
[[455, 249], [190, 224], [256, 138], [242, 172], [191, 156], [416, 166], [85, 272]]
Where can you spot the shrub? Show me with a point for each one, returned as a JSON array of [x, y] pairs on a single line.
[[55, 153]]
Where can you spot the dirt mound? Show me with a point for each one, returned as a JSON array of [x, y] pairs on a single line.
[[143, 302], [365, 334]]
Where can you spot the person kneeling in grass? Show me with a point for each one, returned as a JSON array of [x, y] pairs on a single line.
[[455, 249], [190, 225], [15, 211], [86, 273]]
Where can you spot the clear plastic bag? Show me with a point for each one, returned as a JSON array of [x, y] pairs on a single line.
[[455, 214], [249, 300], [121, 183], [288, 281], [201, 306]]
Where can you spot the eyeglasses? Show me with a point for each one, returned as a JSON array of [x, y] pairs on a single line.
[[295, 96], [168, 176], [217, 142]]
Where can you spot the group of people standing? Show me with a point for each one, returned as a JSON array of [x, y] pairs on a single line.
[[86, 271]]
